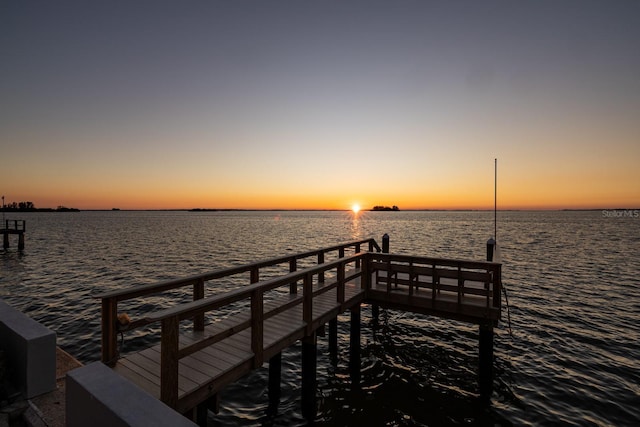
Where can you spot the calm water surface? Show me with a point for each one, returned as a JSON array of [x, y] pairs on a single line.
[[572, 280]]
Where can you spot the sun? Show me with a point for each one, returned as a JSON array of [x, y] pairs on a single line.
[[355, 208]]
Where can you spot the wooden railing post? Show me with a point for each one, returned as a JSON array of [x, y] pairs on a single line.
[[340, 290], [307, 303], [169, 361], [257, 327], [321, 261], [497, 287], [293, 266], [198, 293], [109, 332], [358, 251], [365, 274], [460, 285], [255, 275]]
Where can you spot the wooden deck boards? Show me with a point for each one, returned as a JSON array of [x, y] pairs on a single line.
[[210, 369]]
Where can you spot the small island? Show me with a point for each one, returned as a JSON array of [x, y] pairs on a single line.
[[385, 208]]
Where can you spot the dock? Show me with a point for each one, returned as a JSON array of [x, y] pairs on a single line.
[[209, 338], [13, 226]]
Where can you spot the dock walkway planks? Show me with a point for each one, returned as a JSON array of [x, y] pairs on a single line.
[[210, 369]]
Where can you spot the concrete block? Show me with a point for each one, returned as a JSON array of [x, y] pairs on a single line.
[[99, 397], [30, 352]]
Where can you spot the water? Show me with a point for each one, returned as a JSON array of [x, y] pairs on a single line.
[[572, 281]]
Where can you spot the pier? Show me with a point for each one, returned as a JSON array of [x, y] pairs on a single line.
[[210, 339], [13, 226]]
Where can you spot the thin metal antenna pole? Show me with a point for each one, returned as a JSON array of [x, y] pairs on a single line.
[[495, 199]]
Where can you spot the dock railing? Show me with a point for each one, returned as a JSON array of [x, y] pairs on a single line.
[[110, 300], [15, 225], [458, 277], [342, 270]]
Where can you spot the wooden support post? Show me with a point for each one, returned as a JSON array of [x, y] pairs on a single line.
[[21, 241], [375, 310], [109, 333], [202, 413], [275, 374], [5, 240], [321, 261], [293, 266], [307, 302], [257, 328], [202, 410], [354, 347], [198, 293], [309, 356], [169, 361], [491, 245], [485, 376], [333, 340], [358, 251], [340, 290]]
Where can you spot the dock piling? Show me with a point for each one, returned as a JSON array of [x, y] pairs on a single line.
[[333, 340], [354, 347], [13, 226], [485, 346], [309, 358], [275, 374], [485, 374]]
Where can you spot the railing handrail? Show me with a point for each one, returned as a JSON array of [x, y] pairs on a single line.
[[18, 224], [444, 262], [149, 289], [190, 309], [494, 268], [111, 299]]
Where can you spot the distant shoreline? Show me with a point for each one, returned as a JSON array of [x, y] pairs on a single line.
[[305, 210]]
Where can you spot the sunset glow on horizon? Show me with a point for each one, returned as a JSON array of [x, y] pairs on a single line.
[[320, 105]]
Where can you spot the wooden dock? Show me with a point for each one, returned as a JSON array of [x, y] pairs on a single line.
[[13, 226], [216, 338]]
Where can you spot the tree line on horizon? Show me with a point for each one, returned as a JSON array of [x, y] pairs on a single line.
[[30, 207], [385, 208]]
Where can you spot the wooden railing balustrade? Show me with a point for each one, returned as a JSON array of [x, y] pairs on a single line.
[[16, 224], [461, 277], [170, 318], [455, 289], [110, 300]]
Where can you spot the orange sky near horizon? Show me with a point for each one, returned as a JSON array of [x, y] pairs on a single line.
[[320, 105]]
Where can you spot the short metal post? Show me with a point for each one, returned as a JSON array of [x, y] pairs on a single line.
[[491, 246]]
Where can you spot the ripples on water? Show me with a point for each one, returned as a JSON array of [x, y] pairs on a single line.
[[572, 280]]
